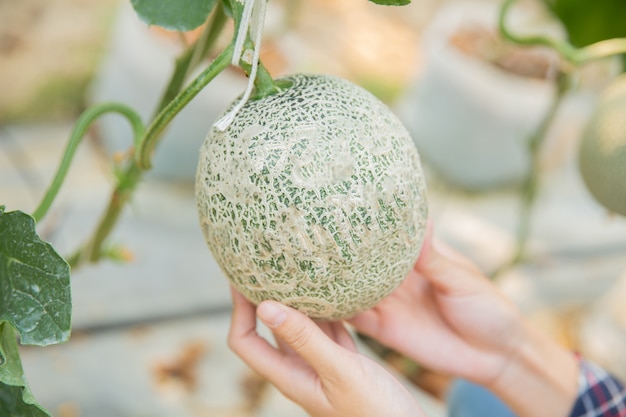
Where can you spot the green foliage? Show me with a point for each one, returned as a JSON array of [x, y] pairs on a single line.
[[35, 303], [591, 21], [16, 399], [34, 283], [181, 15], [391, 2]]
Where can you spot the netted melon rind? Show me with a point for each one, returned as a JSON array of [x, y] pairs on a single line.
[[602, 156], [314, 197]]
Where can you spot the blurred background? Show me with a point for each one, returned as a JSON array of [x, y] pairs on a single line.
[[149, 333]]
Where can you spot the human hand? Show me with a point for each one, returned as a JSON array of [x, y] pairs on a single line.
[[449, 317], [316, 365]]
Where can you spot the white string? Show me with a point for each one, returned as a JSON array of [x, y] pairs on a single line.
[[243, 29], [259, 8], [258, 18]]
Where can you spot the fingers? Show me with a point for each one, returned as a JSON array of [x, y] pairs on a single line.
[[318, 357], [367, 322], [289, 376], [304, 337], [243, 338], [447, 270], [399, 309], [335, 330], [338, 333], [454, 255]]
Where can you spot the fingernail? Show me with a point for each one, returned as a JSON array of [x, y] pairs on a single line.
[[271, 313]]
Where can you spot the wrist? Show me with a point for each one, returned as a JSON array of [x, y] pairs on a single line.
[[540, 379]]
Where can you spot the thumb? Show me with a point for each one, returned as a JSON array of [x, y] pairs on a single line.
[[302, 335]]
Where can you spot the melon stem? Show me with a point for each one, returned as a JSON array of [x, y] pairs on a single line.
[[264, 84], [157, 127], [189, 60]]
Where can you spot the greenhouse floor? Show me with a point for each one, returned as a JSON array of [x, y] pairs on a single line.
[[149, 335]]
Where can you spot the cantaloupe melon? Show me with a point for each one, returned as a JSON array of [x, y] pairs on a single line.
[[314, 197], [602, 154]]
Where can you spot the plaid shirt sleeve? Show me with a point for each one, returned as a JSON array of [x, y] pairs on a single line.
[[599, 393]]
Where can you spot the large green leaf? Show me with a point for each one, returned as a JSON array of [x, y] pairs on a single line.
[[34, 283], [591, 21], [392, 2], [182, 15], [16, 399]]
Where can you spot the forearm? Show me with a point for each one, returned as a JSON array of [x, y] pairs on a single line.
[[540, 380]]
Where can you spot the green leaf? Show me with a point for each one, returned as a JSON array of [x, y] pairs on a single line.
[[16, 399], [591, 21], [181, 15], [588, 22], [391, 2], [34, 283]]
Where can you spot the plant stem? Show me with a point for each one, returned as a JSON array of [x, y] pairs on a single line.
[[132, 175], [192, 56], [156, 128], [602, 49], [92, 251], [577, 57], [207, 39], [76, 137], [531, 184], [565, 49], [121, 195], [264, 84]]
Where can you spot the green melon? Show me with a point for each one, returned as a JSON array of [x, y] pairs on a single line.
[[313, 197], [602, 156]]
